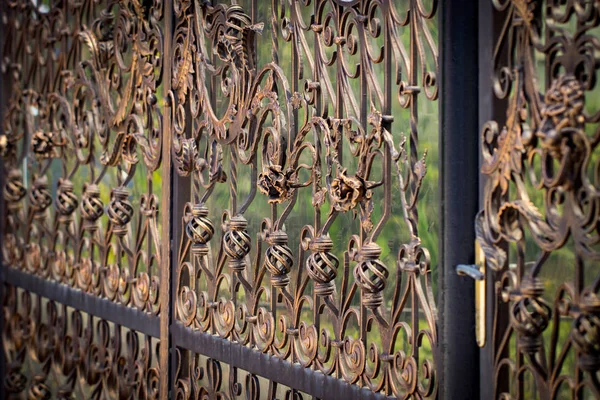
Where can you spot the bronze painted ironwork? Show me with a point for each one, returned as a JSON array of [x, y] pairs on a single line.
[[108, 98], [324, 132], [539, 226], [59, 352], [82, 143]]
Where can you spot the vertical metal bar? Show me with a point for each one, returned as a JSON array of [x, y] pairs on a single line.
[[458, 357], [490, 108], [3, 102], [181, 189], [166, 217], [181, 194], [486, 113]]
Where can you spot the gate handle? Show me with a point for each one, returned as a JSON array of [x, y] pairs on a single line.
[[477, 273], [470, 270]]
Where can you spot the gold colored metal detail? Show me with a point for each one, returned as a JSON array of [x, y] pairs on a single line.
[[480, 298]]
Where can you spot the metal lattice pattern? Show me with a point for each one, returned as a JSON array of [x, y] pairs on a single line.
[[82, 134], [539, 228], [293, 130], [319, 136], [59, 352], [82, 149]]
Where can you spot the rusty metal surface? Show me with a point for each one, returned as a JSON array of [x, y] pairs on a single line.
[[539, 226], [287, 121]]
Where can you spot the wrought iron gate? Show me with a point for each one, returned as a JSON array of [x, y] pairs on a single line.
[[241, 199], [259, 137], [539, 226]]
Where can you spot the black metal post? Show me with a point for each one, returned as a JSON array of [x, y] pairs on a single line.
[[458, 354]]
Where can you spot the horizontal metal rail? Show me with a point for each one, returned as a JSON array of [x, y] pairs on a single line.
[[295, 376], [99, 307]]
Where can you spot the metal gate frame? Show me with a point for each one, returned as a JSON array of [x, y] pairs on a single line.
[[457, 356]]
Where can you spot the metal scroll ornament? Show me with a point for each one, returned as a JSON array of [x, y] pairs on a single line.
[[258, 140], [284, 122], [81, 141], [539, 227]]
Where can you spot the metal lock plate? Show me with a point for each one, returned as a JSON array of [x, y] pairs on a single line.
[[480, 297]]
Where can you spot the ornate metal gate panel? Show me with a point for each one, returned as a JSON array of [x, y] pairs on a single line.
[[539, 227], [86, 280], [208, 200], [283, 120]]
